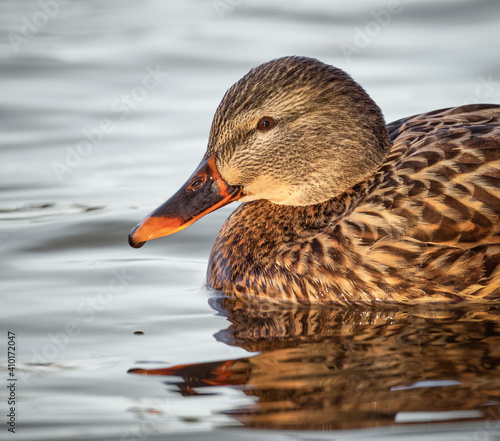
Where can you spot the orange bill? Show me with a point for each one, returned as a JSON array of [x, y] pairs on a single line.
[[204, 192]]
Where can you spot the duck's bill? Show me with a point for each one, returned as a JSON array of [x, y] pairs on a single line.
[[204, 192]]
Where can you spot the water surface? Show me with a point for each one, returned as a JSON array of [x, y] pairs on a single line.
[[87, 151]]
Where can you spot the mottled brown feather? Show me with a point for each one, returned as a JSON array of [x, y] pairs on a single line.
[[423, 227]]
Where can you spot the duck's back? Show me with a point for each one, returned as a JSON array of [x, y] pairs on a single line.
[[444, 170], [440, 186], [424, 228]]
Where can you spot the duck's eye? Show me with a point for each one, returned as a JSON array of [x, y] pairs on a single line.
[[197, 183], [266, 123]]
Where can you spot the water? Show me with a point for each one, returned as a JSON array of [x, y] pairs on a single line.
[[105, 110]]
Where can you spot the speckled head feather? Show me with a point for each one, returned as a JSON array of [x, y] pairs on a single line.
[[328, 133]]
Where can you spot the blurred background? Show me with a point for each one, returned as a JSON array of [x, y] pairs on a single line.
[[105, 108]]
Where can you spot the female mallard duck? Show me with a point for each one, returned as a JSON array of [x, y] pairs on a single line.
[[337, 206]]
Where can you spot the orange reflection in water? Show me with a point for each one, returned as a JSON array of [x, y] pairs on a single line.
[[350, 368]]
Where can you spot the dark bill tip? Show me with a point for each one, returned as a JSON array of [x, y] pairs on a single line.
[[131, 240]]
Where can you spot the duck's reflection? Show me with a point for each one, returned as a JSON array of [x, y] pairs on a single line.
[[338, 369]]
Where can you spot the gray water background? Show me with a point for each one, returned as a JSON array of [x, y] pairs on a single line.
[[72, 290]]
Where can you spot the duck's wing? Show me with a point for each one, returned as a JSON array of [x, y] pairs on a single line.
[[433, 208], [441, 181], [464, 113], [394, 127]]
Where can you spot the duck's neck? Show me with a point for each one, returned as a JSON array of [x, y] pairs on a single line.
[[253, 236]]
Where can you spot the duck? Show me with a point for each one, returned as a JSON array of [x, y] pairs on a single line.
[[336, 206]]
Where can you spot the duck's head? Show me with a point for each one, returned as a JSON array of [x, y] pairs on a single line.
[[293, 131]]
